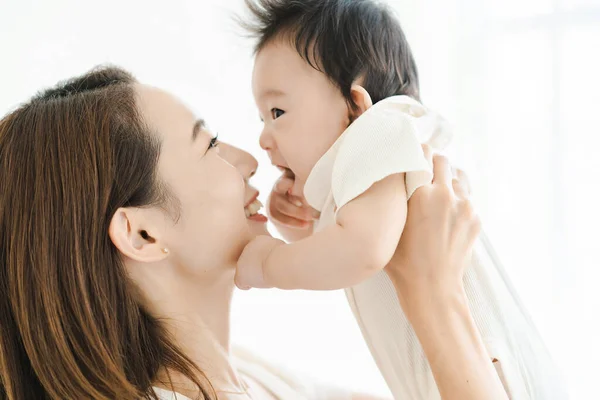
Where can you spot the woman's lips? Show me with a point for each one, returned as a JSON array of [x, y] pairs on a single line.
[[258, 218], [252, 199]]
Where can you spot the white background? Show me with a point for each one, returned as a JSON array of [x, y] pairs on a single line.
[[518, 78]]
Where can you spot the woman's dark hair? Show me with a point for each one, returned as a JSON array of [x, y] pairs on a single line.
[[344, 39], [71, 322]]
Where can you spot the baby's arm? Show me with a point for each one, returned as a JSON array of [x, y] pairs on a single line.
[[381, 146], [361, 243]]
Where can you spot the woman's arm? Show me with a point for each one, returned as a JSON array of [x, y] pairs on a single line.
[[427, 272], [459, 361]]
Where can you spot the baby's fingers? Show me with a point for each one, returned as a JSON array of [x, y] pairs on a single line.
[[283, 185]]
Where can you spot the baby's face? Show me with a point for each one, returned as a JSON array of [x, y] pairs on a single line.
[[302, 111]]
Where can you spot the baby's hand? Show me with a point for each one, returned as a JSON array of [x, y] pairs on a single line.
[[249, 272], [290, 214]]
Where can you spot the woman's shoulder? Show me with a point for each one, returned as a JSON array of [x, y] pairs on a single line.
[[282, 381], [278, 380]]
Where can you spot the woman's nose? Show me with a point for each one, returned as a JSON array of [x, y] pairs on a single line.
[[240, 159]]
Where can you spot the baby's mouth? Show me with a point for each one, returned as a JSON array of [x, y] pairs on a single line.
[[288, 173]]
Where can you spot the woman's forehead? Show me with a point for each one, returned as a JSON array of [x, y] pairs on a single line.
[[166, 114]]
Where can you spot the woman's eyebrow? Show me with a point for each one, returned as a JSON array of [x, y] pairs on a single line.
[[198, 126]]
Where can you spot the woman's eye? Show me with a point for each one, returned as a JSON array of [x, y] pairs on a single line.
[[276, 113], [214, 142]]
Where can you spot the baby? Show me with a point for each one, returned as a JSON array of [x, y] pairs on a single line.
[[337, 89]]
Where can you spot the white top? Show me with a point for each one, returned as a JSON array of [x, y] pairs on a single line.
[[282, 383], [386, 140]]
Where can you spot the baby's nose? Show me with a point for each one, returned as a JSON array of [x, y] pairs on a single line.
[[266, 140]]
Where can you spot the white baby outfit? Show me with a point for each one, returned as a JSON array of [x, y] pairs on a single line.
[[386, 140]]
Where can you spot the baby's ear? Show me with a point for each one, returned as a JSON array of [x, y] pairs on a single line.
[[361, 99]]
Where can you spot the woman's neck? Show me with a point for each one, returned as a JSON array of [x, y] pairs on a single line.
[[196, 312]]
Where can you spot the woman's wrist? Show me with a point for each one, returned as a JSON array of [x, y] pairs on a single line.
[[442, 321], [429, 305], [425, 296]]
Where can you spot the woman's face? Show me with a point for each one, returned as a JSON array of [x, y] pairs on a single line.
[[210, 184]]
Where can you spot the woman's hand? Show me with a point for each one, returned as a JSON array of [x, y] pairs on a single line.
[[436, 244], [427, 272], [291, 215]]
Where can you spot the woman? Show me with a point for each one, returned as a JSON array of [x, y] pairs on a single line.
[[121, 221]]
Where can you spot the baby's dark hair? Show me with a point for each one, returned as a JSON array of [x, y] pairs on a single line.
[[344, 39]]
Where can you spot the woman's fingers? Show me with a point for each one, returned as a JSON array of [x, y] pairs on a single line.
[[428, 153], [475, 230], [440, 231], [442, 172], [460, 183], [459, 189], [463, 178]]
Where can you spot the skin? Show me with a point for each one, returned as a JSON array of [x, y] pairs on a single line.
[[185, 265], [302, 111], [433, 295], [191, 285], [427, 270], [303, 115]]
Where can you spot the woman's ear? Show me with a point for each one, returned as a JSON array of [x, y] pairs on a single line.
[[361, 99], [134, 237]]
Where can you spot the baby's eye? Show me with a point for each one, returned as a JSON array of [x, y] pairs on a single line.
[[276, 113]]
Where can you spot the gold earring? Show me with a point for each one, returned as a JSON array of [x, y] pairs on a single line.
[[165, 250]]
